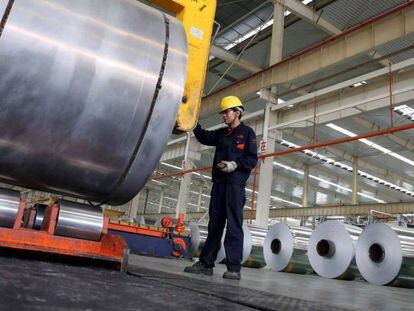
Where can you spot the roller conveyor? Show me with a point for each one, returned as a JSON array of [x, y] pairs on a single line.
[[59, 236]]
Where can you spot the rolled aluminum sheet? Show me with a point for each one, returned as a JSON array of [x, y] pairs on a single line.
[[89, 94], [140, 220], [9, 206], [79, 221], [406, 236], [256, 257], [285, 247], [221, 255], [195, 238], [199, 240], [40, 213], [331, 251], [381, 259], [247, 245]]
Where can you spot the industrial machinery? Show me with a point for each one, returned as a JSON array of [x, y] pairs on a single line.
[[170, 239], [90, 91], [67, 228]]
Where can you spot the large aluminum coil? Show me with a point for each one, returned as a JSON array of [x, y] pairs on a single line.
[[89, 91], [285, 248], [200, 237], [381, 258], [331, 251], [9, 206], [79, 221], [256, 257]]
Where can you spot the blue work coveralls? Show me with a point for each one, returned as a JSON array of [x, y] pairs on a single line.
[[228, 194]]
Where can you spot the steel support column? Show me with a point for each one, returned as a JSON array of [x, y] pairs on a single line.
[[134, 206], [266, 168], [161, 201], [184, 192], [200, 196], [355, 181]]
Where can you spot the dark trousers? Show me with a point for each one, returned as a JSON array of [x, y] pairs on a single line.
[[226, 203]]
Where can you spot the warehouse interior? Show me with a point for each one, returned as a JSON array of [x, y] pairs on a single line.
[[327, 86]]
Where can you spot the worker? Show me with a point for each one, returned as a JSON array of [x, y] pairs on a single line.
[[235, 156]]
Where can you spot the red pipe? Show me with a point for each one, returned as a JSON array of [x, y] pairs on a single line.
[[313, 146], [342, 140], [324, 42]]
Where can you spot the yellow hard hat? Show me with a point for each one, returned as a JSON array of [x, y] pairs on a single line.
[[230, 102]]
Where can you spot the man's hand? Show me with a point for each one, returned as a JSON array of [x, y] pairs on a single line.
[[227, 166]]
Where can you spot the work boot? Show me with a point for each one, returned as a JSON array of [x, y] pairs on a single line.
[[232, 275], [199, 268]]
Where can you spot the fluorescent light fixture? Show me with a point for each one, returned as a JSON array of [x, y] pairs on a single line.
[[172, 199], [275, 198], [192, 204], [204, 195], [279, 100], [359, 83], [326, 181], [371, 144], [179, 168], [405, 111], [159, 182], [347, 167], [158, 205]]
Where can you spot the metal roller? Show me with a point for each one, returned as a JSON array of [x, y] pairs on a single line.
[[93, 86], [40, 214], [9, 206], [79, 221]]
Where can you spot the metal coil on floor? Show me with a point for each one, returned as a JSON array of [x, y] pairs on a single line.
[[285, 248], [9, 206], [331, 251], [79, 221], [88, 99], [200, 237], [381, 259], [256, 257]]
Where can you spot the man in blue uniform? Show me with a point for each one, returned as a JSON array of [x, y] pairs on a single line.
[[235, 157]]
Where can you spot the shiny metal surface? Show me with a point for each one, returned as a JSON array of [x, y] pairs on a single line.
[[9, 205], [40, 213], [284, 248], [331, 251], [200, 237], [81, 112], [79, 221]]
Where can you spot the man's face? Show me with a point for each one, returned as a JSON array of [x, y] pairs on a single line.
[[229, 116]]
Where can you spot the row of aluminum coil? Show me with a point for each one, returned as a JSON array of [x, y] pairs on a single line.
[[381, 254]]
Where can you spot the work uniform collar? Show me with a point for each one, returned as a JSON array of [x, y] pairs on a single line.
[[230, 131]]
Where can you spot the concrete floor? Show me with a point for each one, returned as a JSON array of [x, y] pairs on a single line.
[[334, 293]]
